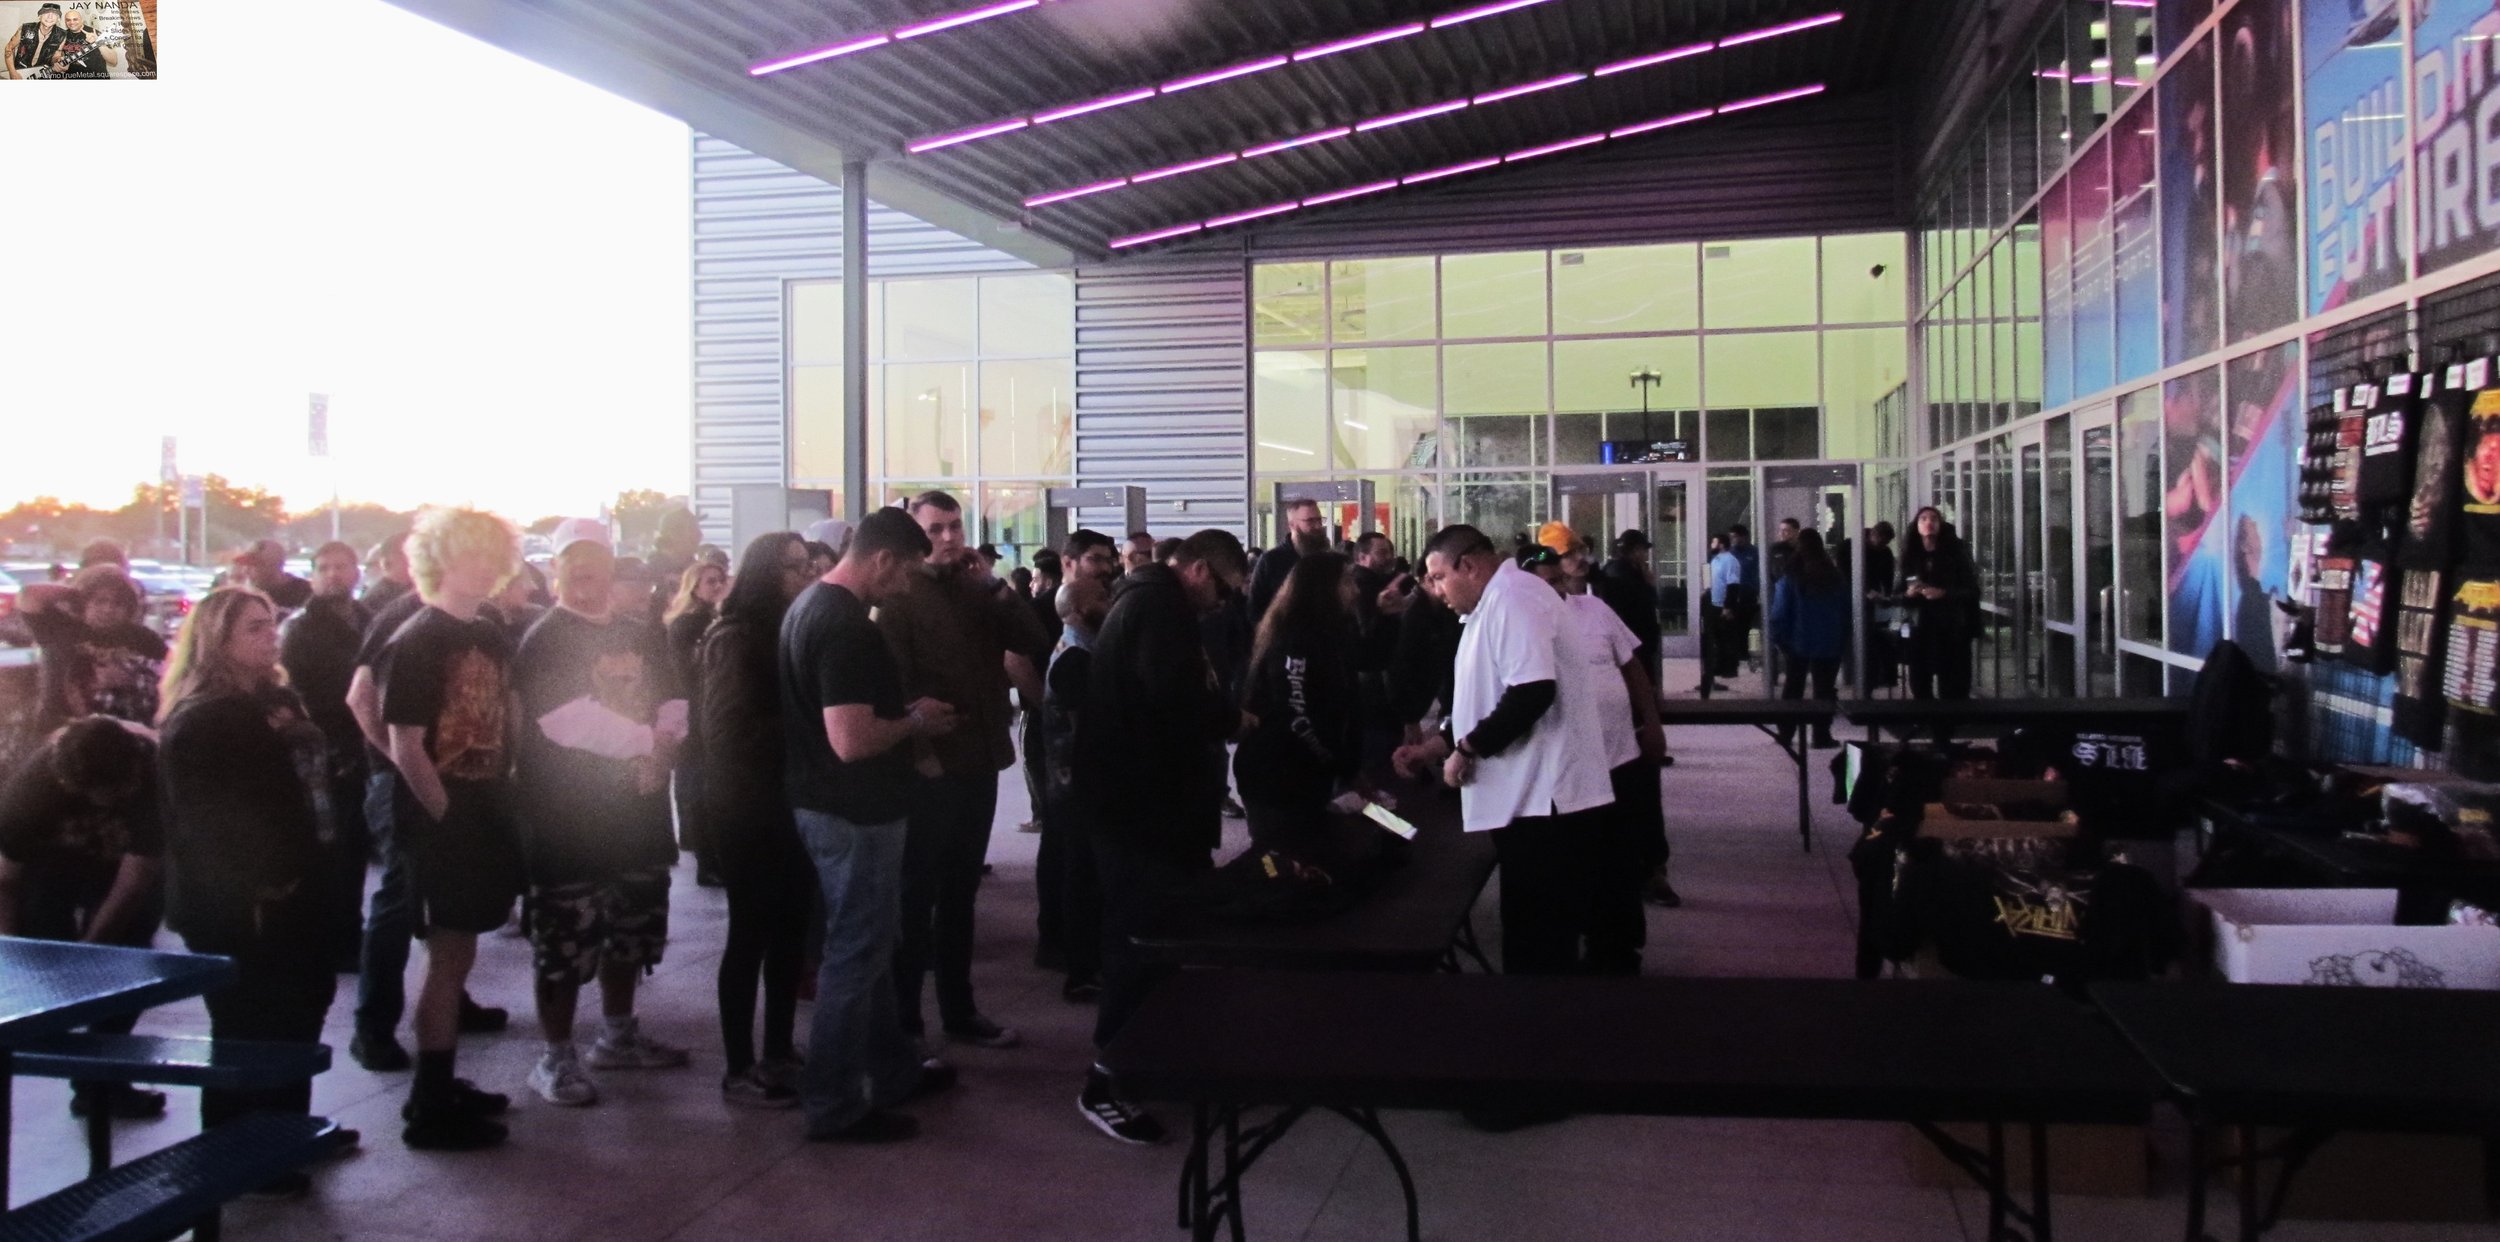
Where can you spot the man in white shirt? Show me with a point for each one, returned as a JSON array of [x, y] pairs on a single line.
[[1523, 745]]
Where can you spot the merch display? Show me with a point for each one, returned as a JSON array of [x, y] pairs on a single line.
[[2481, 471], [2330, 601], [2429, 534], [2317, 463], [2385, 475], [2420, 709], [2351, 425], [2473, 680], [2368, 642]]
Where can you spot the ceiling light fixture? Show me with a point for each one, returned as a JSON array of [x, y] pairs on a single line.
[[861, 43], [1361, 40], [1551, 148], [1415, 114]]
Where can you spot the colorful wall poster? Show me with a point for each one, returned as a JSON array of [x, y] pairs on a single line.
[[2456, 73], [2191, 204], [67, 40], [2135, 227], [2095, 272], [2263, 435], [2192, 511], [2260, 192], [2353, 78]]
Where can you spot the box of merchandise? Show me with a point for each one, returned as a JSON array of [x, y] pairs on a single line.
[[2339, 937], [1970, 807]]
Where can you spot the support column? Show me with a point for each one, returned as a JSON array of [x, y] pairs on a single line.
[[855, 411]]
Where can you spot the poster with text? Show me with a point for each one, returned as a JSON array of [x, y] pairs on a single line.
[[72, 40], [2263, 435], [2191, 511], [2191, 203], [2095, 272], [2355, 93], [2057, 296], [2454, 214], [2134, 228], [2260, 191]]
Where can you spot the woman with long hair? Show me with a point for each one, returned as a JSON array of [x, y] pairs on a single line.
[[690, 612], [1940, 586], [247, 826], [769, 876], [1301, 688], [1810, 625]]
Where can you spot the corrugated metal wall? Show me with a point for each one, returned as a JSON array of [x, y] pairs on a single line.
[[757, 225], [1818, 167], [1163, 388]]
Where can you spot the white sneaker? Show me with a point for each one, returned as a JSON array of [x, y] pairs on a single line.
[[629, 1048], [559, 1080]]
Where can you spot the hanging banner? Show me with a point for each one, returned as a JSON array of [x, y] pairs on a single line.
[[2191, 507], [2264, 440], [70, 40], [2353, 73], [318, 431], [2456, 211], [2191, 285], [2260, 192]]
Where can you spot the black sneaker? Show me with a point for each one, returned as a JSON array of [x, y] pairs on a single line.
[[451, 1131], [477, 1019], [981, 1032], [935, 1076], [876, 1127], [1663, 895], [379, 1053], [1114, 1117], [122, 1102], [465, 1100], [293, 1185]]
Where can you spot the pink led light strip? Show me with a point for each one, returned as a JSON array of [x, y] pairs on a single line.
[[861, 43], [1177, 85], [1415, 114], [1452, 170]]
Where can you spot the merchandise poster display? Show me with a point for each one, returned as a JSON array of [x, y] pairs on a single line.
[[2191, 287], [2136, 227], [2453, 80], [2354, 75], [71, 40], [2260, 192], [2191, 507], [2264, 431]]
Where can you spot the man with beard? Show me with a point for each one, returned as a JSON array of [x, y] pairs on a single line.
[[1306, 535], [317, 648]]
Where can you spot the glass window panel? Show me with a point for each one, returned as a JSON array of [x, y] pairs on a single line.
[[1861, 368], [929, 318], [2058, 493], [1033, 314], [1290, 411], [1500, 505], [1854, 291], [1598, 375], [1761, 368], [1758, 284], [2049, 69], [1628, 289], [1027, 416], [1727, 435], [926, 407], [1388, 407], [1787, 433], [1507, 378], [1493, 294], [2139, 516], [815, 427], [1381, 299], [1286, 303], [816, 321], [1013, 520]]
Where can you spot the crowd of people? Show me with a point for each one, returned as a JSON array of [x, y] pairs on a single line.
[[824, 725]]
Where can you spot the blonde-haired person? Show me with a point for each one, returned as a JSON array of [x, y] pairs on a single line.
[[690, 613], [445, 688], [247, 808]]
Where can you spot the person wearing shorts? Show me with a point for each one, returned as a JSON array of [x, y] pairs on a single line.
[[445, 687], [600, 724]]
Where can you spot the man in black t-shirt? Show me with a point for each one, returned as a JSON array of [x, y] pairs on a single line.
[[445, 684], [317, 648], [848, 735], [601, 720]]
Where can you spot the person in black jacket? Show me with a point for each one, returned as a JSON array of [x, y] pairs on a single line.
[[248, 831], [1420, 666], [1301, 690], [1150, 769], [1941, 587], [700, 589], [1069, 892], [317, 648], [765, 868]]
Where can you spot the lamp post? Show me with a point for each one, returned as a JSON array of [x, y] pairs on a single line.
[[1645, 379]]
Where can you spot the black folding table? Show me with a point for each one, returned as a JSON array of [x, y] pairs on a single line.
[[2314, 1061], [1903, 716], [1921, 1052], [1799, 716]]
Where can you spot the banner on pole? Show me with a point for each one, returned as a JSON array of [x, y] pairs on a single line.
[[194, 491], [167, 472], [320, 428]]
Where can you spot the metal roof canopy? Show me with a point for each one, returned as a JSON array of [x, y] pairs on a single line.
[[691, 62]]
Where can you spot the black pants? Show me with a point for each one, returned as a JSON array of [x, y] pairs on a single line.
[[1548, 888], [282, 991], [56, 904], [1631, 845], [1939, 657], [948, 838], [1070, 891], [771, 886], [343, 924], [1136, 886], [1826, 674]]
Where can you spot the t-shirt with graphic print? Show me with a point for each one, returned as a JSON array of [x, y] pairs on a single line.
[[70, 835], [451, 677], [590, 694]]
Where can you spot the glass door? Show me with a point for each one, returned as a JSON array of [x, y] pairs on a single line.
[[2030, 586], [2098, 510], [2060, 628], [1660, 502]]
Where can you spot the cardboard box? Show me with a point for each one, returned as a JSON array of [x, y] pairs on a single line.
[[2339, 936], [2111, 1162], [2031, 799]]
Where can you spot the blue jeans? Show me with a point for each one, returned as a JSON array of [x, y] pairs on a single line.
[[382, 976], [858, 1059]]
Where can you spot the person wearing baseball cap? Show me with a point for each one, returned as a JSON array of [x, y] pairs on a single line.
[[35, 42]]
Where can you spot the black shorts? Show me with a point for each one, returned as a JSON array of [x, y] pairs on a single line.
[[465, 869]]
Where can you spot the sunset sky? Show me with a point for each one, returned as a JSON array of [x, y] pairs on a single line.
[[482, 261]]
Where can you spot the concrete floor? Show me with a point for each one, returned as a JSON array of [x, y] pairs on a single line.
[[1005, 1156]]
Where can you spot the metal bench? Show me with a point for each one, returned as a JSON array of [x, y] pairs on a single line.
[[157, 1196], [225, 1064]]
